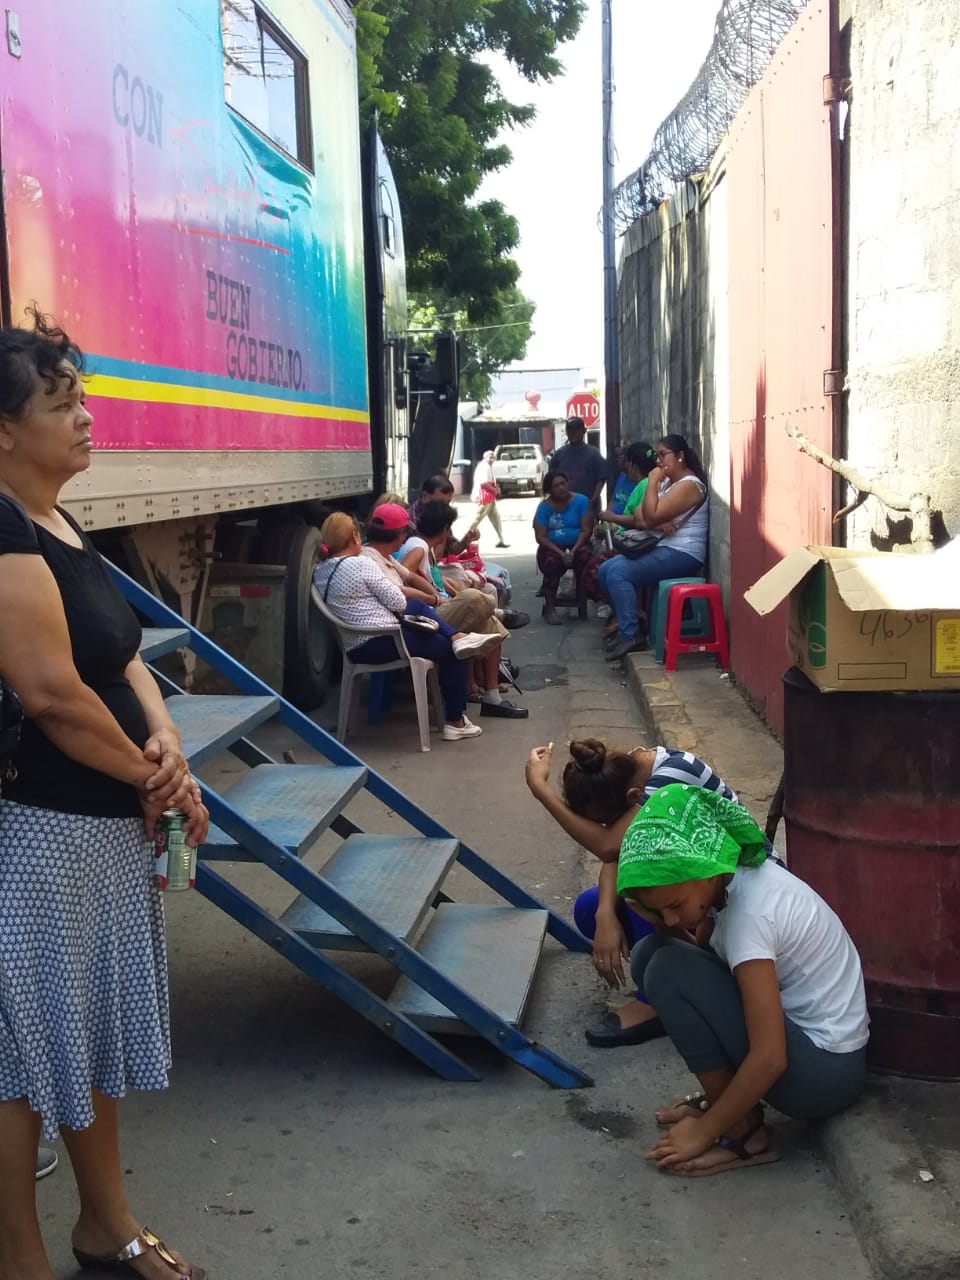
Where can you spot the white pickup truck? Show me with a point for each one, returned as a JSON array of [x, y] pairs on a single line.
[[519, 468]]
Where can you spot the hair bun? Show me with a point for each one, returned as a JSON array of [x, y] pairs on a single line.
[[589, 754]]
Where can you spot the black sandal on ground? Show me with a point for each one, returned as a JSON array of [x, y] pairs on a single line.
[[610, 1034], [142, 1243]]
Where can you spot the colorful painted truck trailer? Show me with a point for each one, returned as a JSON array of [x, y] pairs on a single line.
[[182, 191]]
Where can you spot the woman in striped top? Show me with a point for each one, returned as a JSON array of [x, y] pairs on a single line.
[[602, 790]]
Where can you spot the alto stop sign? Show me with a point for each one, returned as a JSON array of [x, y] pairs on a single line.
[[586, 406]]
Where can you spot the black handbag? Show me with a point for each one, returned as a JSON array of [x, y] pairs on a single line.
[[11, 722], [634, 543], [419, 622]]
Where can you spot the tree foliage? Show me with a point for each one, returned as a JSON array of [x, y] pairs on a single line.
[[484, 348], [442, 115]]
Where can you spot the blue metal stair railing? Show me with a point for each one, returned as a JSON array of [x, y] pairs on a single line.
[[508, 1039]]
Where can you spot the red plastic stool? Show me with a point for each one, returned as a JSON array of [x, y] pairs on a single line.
[[716, 642]]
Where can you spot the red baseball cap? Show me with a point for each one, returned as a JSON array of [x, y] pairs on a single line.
[[389, 516]]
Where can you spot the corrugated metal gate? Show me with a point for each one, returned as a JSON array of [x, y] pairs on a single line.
[[779, 170]]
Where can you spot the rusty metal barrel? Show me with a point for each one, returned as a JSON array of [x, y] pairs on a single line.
[[872, 813]]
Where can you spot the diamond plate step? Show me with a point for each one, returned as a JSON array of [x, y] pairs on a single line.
[[492, 952], [394, 879], [208, 724], [289, 803], [157, 641]]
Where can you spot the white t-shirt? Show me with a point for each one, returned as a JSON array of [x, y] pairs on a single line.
[[772, 915], [415, 543], [482, 474]]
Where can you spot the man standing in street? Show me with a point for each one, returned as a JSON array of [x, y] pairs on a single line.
[[584, 466], [486, 491]]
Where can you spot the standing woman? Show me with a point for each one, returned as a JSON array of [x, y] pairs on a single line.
[[486, 491], [674, 505], [562, 525], [83, 983]]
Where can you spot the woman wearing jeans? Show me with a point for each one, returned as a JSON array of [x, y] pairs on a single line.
[[769, 1006], [674, 505]]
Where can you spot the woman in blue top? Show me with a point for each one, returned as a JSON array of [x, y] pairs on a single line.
[[624, 486], [562, 526]]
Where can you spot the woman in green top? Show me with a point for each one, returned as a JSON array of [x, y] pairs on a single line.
[[640, 461]]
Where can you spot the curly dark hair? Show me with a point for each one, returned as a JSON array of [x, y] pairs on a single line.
[[596, 780], [28, 354]]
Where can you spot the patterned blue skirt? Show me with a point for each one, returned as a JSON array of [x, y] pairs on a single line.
[[83, 973]]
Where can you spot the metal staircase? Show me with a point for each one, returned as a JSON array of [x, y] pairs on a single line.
[[461, 968]]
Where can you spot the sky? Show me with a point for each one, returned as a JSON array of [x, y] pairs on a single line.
[[554, 185]]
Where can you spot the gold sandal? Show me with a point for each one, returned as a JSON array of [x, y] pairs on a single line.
[[142, 1243]]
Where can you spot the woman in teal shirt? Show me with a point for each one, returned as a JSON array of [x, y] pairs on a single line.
[[641, 459], [562, 526]]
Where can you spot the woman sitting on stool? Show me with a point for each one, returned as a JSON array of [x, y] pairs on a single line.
[[562, 525], [602, 790], [675, 505], [773, 1009]]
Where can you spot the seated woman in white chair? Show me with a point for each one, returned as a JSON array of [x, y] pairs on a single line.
[[358, 593]]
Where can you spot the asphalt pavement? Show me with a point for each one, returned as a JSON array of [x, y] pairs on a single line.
[[297, 1141]]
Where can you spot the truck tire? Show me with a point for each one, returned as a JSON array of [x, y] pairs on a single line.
[[309, 647]]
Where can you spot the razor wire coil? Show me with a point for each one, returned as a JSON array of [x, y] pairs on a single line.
[[746, 36]]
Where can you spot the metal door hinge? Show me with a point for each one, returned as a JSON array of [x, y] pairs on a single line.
[[836, 89], [834, 382]]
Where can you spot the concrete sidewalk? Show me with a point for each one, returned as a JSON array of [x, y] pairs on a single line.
[[896, 1155]]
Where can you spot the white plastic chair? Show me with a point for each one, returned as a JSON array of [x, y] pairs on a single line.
[[426, 686]]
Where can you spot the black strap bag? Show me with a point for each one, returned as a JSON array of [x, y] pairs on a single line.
[[634, 543], [11, 722]]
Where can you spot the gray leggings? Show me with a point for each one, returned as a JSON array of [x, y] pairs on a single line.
[[699, 1003]]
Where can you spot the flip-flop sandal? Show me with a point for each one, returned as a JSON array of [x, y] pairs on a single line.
[[476, 697], [743, 1159], [142, 1243], [695, 1103]]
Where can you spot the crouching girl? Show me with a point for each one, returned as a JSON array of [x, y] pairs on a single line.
[[772, 1009]]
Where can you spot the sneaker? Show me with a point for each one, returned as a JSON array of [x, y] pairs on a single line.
[[47, 1161], [604, 611], [467, 730], [475, 644]]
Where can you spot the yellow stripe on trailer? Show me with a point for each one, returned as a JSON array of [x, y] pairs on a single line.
[[113, 388]]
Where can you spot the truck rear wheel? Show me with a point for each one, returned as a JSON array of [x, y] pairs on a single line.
[[309, 647]]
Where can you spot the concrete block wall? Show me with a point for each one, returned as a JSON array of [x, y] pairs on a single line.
[[904, 258], [673, 340]]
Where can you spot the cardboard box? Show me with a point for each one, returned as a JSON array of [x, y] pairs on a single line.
[[865, 620]]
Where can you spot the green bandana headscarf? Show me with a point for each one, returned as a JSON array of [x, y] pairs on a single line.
[[686, 833]]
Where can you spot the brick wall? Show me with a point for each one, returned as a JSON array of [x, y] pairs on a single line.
[[674, 336], [904, 256]]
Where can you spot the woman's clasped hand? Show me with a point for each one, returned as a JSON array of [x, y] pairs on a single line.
[[172, 786]]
